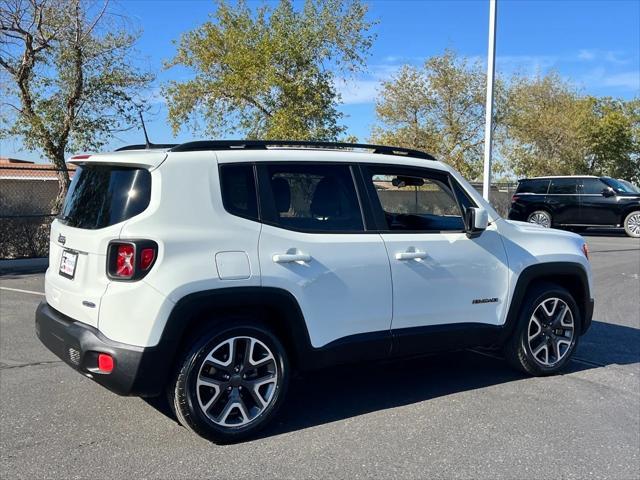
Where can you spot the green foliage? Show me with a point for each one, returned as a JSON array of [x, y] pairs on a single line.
[[543, 118], [438, 108], [612, 136], [552, 129], [70, 75], [542, 125], [269, 73]]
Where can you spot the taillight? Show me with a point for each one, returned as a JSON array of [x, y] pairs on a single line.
[[147, 256], [515, 198], [130, 260], [585, 250], [125, 267]]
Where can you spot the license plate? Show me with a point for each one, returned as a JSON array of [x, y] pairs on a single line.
[[68, 263]]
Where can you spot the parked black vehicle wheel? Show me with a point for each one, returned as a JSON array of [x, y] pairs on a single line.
[[547, 331], [231, 382], [540, 217], [632, 224]]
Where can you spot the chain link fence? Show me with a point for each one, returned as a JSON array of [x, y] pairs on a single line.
[[27, 193]]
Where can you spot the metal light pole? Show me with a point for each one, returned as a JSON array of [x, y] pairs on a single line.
[[488, 122]]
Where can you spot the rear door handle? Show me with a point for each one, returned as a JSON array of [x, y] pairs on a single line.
[[291, 257], [411, 255]]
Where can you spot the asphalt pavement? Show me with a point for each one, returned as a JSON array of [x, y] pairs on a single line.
[[458, 415]]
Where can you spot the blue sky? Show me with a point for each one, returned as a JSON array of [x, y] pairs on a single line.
[[595, 44]]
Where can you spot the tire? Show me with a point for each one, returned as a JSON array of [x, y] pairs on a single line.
[[632, 224], [223, 394], [524, 350], [540, 217]]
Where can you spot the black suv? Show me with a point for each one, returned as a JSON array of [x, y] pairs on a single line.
[[578, 202]]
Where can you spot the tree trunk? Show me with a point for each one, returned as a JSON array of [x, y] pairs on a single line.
[[63, 184]]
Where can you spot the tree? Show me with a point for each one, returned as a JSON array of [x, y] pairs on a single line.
[[71, 78], [544, 118], [270, 74], [553, 130], [612, 135], [438, 108]]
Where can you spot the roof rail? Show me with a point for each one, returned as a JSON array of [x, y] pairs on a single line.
[[264, 144], [144, 146]]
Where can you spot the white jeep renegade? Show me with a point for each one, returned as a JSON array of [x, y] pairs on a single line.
[[210, 270]]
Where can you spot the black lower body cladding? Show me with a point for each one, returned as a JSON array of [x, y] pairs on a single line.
[[137, 371]]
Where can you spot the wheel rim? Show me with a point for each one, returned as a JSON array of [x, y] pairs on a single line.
[[540, 218], [551, 332], [633, 223], [237, 381]]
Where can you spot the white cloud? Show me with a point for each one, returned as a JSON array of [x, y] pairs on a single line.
[[365, 89], [601, 77], [526, 64], [628, 80], [358, 91], [617, 57], [586, 55]]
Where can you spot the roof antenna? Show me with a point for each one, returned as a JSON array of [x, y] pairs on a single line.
[[148, 144]]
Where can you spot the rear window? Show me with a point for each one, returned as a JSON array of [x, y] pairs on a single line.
[[533, 186], [101, 195]]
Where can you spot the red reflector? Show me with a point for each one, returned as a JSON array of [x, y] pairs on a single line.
[[125, 261], [105, 363], [146, 258]]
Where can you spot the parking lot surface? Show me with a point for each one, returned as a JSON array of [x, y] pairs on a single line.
[[459, 415]]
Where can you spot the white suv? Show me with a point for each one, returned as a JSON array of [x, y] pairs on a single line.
[[211, 270]]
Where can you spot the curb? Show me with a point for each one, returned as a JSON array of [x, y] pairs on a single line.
[[24, 265]]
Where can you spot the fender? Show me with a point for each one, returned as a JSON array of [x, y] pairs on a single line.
[[281, 311], [570, 275], [199, 309]]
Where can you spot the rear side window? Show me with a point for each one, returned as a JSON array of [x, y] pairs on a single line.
[[533, 186], [103, 195], [310, 197], [238, 187], [563, 186]]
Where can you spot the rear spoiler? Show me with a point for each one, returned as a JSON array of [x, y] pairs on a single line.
[[148, 159]]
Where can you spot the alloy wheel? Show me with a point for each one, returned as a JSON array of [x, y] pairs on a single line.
[[633, 223], [551, 331], [237, 381], [540, 218]]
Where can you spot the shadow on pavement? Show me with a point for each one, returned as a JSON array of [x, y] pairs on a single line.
[[607, 344], [339, 393]]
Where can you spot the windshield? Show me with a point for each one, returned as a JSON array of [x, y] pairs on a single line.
[[621, 186], [102, 195]]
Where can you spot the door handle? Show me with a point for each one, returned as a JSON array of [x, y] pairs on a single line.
[[411, 255], [291, 257]]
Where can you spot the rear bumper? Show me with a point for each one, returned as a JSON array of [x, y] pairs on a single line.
[[137, 371]]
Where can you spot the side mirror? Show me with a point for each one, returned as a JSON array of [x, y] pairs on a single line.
[[476, 220], [608, 192]]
